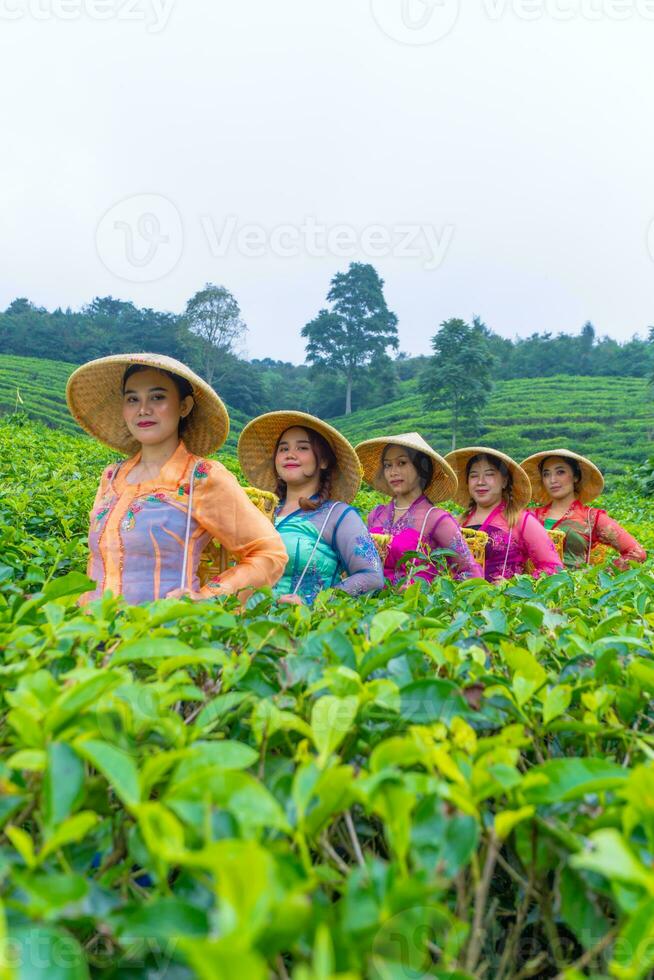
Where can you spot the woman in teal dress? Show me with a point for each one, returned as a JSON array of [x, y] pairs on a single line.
[[315, 472]]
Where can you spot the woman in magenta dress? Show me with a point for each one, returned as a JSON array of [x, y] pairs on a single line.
[[495, 491], [416, 478], [565, 484]]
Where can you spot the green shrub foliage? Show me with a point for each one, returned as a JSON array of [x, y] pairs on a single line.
[[454, 782]]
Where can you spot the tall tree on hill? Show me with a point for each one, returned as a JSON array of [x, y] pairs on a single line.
[[214, 316], [459, 375], [358, 329]]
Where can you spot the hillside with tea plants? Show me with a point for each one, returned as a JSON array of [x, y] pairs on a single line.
[[37, 387], [609, 419], [451, 782]]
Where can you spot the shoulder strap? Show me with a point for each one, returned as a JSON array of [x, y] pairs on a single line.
[[113, 475], [506, 554], [313, 550], [420, 537], [591, 528], [424, 525], [188, 527]]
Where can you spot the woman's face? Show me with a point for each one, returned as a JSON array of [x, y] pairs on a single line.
[[152, 407], [399, 472], [558, 478], [485, 483], [295, 461]]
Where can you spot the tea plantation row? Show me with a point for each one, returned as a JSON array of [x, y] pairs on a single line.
[[41, 385], [608, 419], [447, 783]]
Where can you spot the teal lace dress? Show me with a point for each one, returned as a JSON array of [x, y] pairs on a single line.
[[328, 548]]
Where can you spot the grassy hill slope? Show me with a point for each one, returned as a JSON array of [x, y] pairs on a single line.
[[608, 419], [42, 387]]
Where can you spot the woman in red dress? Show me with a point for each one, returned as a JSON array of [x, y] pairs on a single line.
[[565, 483]]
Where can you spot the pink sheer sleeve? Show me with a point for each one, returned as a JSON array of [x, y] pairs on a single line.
[[444, 532], [375, 516], [540, 548], [607, 531]]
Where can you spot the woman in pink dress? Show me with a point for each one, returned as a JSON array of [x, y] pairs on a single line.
[[495, 491], [416, 478]]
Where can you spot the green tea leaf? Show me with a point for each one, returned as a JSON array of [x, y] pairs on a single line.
[[331, 720], [570, 779], [63, 782], [556, 701], [115, 765]]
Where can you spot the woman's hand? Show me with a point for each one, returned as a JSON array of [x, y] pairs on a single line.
[[180, 593], [290, 599]]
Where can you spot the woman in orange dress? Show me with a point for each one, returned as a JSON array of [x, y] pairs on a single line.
[[155, 513], [565, 483]]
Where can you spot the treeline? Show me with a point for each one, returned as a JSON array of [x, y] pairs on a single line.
[[108, 326], [201, 339]]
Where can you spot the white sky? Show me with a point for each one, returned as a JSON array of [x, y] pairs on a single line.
[[522, 140]]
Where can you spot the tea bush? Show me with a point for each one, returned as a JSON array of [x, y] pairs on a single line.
[[454, 782]]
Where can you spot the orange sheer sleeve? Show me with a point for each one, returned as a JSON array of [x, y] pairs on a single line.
[[222, 508]]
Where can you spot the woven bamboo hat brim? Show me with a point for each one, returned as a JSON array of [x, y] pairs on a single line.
[[589, 487], [256, 449], [94, 396], [443, 484], [459, 459]]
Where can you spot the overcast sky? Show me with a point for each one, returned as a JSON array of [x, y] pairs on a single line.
[[496, 159]]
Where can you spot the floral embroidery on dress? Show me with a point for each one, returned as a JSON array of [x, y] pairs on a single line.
[[101, 514], [130, 517], [202, 470], [312, 583], [365, 548]]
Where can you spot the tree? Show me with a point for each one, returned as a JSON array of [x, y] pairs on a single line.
[[214, 316], [459, 375], [358, 328]]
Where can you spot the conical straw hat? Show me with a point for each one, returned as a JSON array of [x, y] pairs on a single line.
[[94, 396], [443, 484], [459, 460], [256, 450], [589, 487]]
